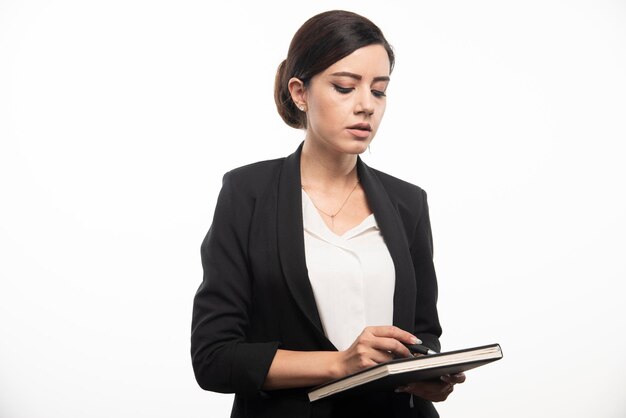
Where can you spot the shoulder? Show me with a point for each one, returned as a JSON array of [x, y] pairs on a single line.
[[258, 168], [243, 187], [254, 176], [408, 200], [399, 190]]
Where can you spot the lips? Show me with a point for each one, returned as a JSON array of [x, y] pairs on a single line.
[[360, 130], [361, 127]]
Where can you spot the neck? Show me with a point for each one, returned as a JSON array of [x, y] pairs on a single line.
[[320, 167]]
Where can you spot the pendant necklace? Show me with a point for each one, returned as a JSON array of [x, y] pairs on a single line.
[[332, 216]]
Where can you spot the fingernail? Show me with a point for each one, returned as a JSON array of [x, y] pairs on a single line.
[[416, 340]]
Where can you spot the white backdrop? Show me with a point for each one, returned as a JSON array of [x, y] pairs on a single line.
[[119, 118]]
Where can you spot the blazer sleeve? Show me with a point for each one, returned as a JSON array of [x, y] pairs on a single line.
[[223, 360], [427, 326]]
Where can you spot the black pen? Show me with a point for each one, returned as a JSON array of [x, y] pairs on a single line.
[[419, 349]]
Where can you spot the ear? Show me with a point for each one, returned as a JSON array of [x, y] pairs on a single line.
[[297, 91]]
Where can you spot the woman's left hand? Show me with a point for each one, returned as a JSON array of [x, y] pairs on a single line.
[[434, 390]]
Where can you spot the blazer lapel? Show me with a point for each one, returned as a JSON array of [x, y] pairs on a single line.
[[291, 243], [388, 220], [290, 233]]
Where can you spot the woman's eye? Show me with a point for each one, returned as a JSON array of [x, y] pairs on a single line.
[[378, 93], [342, 90]]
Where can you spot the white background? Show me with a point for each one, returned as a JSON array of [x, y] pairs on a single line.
[[119, 118]]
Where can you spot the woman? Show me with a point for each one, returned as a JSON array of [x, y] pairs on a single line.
[[316, 265]]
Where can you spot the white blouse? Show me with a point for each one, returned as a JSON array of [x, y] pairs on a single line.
[[352, 275]]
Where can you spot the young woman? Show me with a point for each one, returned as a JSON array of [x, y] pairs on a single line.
[[316, 265]]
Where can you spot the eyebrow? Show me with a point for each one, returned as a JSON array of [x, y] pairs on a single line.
[[358, 77]]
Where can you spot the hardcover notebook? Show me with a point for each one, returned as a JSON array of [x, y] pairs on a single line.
[[395, 373]]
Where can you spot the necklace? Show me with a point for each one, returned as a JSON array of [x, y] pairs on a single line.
[[332, 216]]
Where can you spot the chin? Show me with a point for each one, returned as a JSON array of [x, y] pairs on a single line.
[[353, 148], [359, 147]]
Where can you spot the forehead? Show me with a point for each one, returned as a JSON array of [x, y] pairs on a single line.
[[369, 62]]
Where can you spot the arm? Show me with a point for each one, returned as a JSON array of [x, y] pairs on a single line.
[[309, 368], [222, 359], [292, 369], [427, 325]]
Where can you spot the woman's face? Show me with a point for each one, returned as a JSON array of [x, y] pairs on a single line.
[[346, 102]]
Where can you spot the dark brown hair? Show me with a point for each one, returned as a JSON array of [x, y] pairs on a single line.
[[320, 42]]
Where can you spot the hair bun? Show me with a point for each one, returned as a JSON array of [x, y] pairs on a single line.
[[284, 104]]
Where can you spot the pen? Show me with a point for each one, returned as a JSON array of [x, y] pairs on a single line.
[[421, 349]]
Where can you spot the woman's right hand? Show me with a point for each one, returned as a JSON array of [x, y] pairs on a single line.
[[376, 345], [296, 369]]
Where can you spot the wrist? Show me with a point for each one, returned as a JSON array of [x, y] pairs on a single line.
[[336, 368]]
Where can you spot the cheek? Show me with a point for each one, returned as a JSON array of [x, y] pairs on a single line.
[[381, 114], [330, 113]]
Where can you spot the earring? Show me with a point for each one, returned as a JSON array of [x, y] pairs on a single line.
[[301, 107]]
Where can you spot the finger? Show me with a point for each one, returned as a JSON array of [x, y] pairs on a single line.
[[380, 356], [391, 331], [368, 341], [447, 388], [458, 378], [391, 345], [430, 386], [454, 378], [432, 391]]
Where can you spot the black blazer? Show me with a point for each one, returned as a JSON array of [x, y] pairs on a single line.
[[256, 296]]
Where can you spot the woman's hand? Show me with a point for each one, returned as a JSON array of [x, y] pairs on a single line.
[[434, 390], [376, 345], [294, 369]]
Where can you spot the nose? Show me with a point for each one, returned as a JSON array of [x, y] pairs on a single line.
[[364, 103]]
